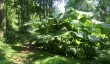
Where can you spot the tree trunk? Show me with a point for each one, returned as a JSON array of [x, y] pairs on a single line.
[[2, 19]]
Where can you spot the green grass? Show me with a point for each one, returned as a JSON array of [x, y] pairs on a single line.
[[5, 50], [19, 54]]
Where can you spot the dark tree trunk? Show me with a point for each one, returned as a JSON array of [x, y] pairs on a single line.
[[2, 19]]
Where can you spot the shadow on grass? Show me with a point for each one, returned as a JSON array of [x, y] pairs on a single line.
[[33, 54], [3, 60], [50, 59], [36, 58], [19, 48], [40, 56]]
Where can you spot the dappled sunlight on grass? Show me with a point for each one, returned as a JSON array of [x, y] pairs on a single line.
[[26, 55], [37, 57], [57, 60], [50, 59]]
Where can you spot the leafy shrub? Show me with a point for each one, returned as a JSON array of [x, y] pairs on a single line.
[[104, 57], [73, 34]]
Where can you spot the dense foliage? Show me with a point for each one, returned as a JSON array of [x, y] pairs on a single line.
[[72, 33]]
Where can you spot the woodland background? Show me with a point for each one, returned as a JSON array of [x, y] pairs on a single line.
[[42, 32]]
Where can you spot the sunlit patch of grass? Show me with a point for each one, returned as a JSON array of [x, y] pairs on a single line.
[[19, 54], [5, 51], [55, 60]]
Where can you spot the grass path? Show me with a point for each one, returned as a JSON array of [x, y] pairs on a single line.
[[31, 55], [26, 55]]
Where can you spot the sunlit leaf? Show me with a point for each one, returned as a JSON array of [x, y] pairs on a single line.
[[93, 38]]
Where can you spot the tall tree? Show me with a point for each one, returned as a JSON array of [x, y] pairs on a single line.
[[100, 8], [2, 20], [103, 9]]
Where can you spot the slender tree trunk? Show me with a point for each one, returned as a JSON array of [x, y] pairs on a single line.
[[2, 20]]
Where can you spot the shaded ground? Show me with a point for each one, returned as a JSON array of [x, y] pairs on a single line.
[[26, 54], [31, 55]]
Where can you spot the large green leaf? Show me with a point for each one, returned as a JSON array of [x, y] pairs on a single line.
[[79, 34], [106, 25], [93, 38]]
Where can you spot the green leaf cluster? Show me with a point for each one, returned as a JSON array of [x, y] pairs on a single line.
[[72, 34]]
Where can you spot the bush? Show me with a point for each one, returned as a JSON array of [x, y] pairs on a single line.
[[104, 57], [72, 34]]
